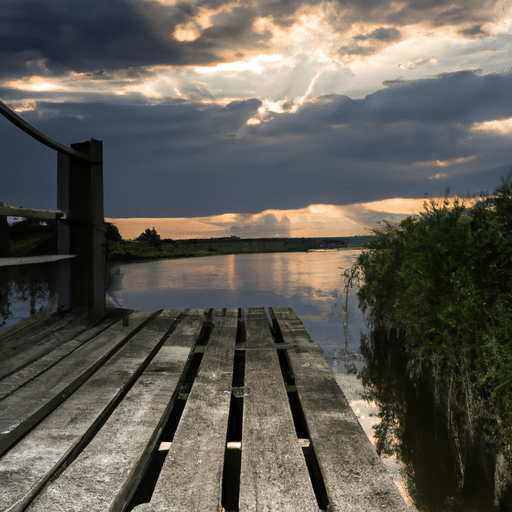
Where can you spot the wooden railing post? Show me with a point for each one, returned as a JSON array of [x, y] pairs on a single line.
[[81, 187], [81, 283]]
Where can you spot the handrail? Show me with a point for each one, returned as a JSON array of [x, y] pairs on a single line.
[[30, 213], [41, 137], [34, 260], [79, 192]]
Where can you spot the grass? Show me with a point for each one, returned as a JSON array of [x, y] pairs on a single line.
[[137, 250]]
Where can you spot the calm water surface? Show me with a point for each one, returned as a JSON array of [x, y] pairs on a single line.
[[311, 283], [24, 291]]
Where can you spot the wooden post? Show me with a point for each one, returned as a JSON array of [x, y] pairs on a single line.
[[80, 193], [86, 226]]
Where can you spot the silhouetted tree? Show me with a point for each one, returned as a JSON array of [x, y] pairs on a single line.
[[112, 233], [150, 235]]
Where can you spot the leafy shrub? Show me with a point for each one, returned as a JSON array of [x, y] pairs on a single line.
[[443, 281], [112, 233], [150, 236]]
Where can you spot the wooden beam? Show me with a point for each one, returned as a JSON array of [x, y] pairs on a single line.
[[28, 405], [29, 213], [355, 477], [32, 260], [191, 476], [87, 231], [63, 434], [41, 137], [274, 475], [122, 455]]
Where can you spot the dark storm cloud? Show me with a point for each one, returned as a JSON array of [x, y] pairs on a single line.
[[464, 96], [88, 35], [381, 34], [185, 159], [378, 38], [230, 27], [439, 12], [451, 98], [475, 30]]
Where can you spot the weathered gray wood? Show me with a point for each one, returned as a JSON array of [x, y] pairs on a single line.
[[33, 342], [35, 327], [191, 478], [354, 476], [105, 474], [14, 381], [274, 476], [36, 134], [29, 213], [90, 452], [34, 260], [50, 446], [41, 317], [22, 409]]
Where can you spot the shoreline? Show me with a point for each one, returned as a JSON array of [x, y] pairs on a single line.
[[133, 251]]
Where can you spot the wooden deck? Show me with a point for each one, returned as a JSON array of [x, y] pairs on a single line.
[[176, 410]]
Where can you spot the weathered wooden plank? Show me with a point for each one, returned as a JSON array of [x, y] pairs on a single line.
[[46, 314], [191, 478], [34, 260], [29, 213], [14, 381], [27, 345], [25, 407], [52, 444], [41, 137], [274, 476], [106, 473], [354, 476]]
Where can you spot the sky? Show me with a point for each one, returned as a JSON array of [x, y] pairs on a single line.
[[257, 114]]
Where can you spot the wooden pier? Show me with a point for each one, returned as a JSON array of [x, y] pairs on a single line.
[[180, 410]]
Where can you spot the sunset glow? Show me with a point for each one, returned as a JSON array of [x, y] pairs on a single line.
[[240, 106], [501, 126]]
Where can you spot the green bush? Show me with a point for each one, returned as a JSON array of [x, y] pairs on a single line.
[[150, 236], [443, 281], [112, 233]]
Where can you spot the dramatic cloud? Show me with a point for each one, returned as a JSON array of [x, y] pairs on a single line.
[[267, 225], [207, 107]]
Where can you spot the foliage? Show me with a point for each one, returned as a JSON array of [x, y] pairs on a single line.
[[112, 233], [135, 250], [32, 238], [443, 281], [150, 236]]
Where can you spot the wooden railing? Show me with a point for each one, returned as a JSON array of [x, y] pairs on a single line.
[[80, 221]]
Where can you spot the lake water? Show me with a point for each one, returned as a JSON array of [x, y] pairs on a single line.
[[25, 290], [311, 283]]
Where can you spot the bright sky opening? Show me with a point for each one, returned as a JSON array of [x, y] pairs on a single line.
[[251, 107]]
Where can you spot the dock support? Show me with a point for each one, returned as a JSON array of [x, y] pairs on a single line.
[[80, 194]]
